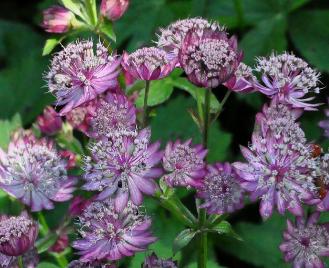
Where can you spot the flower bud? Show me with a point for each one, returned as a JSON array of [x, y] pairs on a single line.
[[49, 122], [114, 9], [78, 204], [61, 243], [57, 19]]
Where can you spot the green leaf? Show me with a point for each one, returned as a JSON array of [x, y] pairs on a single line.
[[224, 227], [160, 91], [75, 6], [182, 240], [46, 242], [47, 265], [311, 36], [107, 29], [50, 45], [267, 36], [7, 127]]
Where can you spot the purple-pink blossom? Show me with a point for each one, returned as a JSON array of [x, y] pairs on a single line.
[[49, 122], [153, 261], [57, 19], [221, 190], [79, 74], [184, 164], [114, 9], [108, 234], [124, 167]]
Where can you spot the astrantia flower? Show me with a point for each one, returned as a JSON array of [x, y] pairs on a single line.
[[324, 124], [113, 114], [288, 78], [184, 164], [57, 19], [17, 234], [111, 235], [33, 172], [30, 260], [78, 74], [221, 190], [306, 242], [49, 122], [242, 81], [148, 63], [114, 9], [211, 59], [172, 37], [280, 169], [124, 167], [153, 261]]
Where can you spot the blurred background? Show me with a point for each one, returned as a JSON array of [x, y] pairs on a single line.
[[262, 26]]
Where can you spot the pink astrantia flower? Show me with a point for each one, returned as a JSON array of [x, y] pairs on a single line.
[[57, 19], [124, 167], [306, 242], [289, 79], [242, 81], [115, 113], [33, 172], [221, 191], [114, 9], [108, 234], [148, 63], [280, 169], [17, 234], [210, 59], [171, 38], [49, 122], [184, 164], [153, 261], [324, 124], [78, 74]]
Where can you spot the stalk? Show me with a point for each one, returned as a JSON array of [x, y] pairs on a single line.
[[145, 114], [20, 262]]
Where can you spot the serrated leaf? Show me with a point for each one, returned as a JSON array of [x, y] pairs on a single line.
[[107, 29], [7, 127], [182, 240], [46, 242], [50, 45]]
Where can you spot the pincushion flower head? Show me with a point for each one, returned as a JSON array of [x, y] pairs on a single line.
[[221, 190], [148, 63], [79, 74], [115, 113], [305, 242], [184, 164], [108, 234], [280, 169], [153, 261], [17, 234], [33, 172], [123, 167], [171, 38], [49, 122], [57, 19], [289, 79], [210, 59]]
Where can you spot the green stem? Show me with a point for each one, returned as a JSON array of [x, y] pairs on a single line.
[[145, 114], [221, 105], [20, 262], [44, 226], [203, 245]]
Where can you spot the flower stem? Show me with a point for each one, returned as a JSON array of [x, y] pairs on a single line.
[[145, 114], [44, 226], [20, 262], [203, 245]]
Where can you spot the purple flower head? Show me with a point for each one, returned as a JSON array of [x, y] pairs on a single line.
[[108, 234], [33, 172], [289, 79], [115, 113], [30, 260], [94, 264], [78, 74], [114, 9], [123, 167], [306, 242], [153, 261], [324, 124], [211, 59], [17, 234], [171, 38], [148, 63], [184, 164], [57, 19], [242, 81], [221, 191], [280, 169], [49, 122]]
